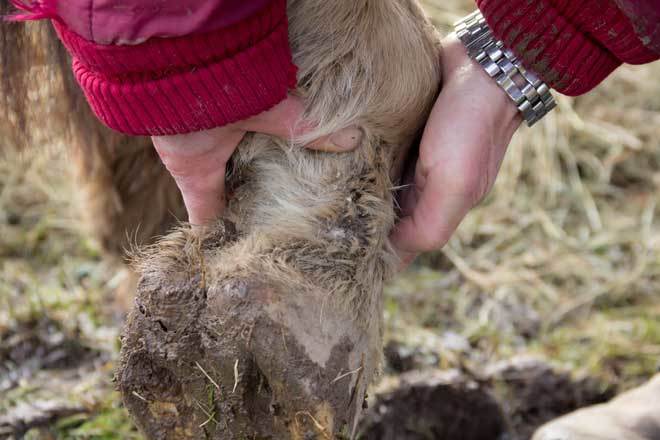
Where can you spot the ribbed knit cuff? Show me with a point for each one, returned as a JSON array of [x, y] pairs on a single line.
[[573, 46], [178, 85]]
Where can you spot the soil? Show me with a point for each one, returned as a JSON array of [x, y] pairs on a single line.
[[39, 344], [532, 392], [435, 405], [507, 401], [504, 401], [39, 354]]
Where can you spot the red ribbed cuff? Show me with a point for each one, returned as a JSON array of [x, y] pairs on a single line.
[[179, 85], [572, 45]]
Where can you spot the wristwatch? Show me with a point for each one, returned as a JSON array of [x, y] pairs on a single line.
[[531, 95]]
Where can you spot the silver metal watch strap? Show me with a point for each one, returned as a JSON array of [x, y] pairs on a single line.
[[531, 95]]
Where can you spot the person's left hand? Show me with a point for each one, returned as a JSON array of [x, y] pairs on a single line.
[[197, 161]]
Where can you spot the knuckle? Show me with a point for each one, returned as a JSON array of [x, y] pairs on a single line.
[[179, 171], [441, 240], [472, 186], [434, 239], [196, 186]]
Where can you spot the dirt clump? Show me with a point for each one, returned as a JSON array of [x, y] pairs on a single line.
[[532, 392], [508, 400], [436, 405], [38, 344]]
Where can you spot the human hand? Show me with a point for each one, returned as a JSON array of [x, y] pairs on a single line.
[[197, 161], [464, 142]]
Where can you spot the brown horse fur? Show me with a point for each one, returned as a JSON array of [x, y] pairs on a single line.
[[268, 324], [128, 197]]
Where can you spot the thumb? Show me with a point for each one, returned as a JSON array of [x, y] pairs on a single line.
[[285, 121], [197, 162]]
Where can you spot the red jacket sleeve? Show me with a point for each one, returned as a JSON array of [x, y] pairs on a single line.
[[574, 45], [162, 67]]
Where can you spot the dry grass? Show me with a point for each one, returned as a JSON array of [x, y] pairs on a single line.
[[561, 261]]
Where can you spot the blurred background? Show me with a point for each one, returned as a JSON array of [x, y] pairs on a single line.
[[547, 295]]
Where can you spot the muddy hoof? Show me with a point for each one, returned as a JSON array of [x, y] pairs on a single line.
[[239, 358]]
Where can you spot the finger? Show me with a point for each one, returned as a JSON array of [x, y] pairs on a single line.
[[446, 177], [198, 142], [341, 141], [204, 198], [438, 211], [460, 153], [285, 120], [197, 162]]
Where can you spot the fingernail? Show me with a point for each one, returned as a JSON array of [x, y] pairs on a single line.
[[347, 139]]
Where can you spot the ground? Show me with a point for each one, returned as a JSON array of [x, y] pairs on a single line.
[[561, 263]]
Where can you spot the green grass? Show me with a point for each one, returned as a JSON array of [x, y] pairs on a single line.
[[109, 422]]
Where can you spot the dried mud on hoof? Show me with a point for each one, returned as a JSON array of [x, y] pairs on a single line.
[[228, 357]]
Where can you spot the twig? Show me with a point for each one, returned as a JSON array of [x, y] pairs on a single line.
[[341, 376], [357, 381], [139, 397], [286, 349], [207, 414], [207, 376], [316, 423], [235, 376]]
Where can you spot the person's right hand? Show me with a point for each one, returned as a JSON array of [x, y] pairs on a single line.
[[197, 161], [460, 154]]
